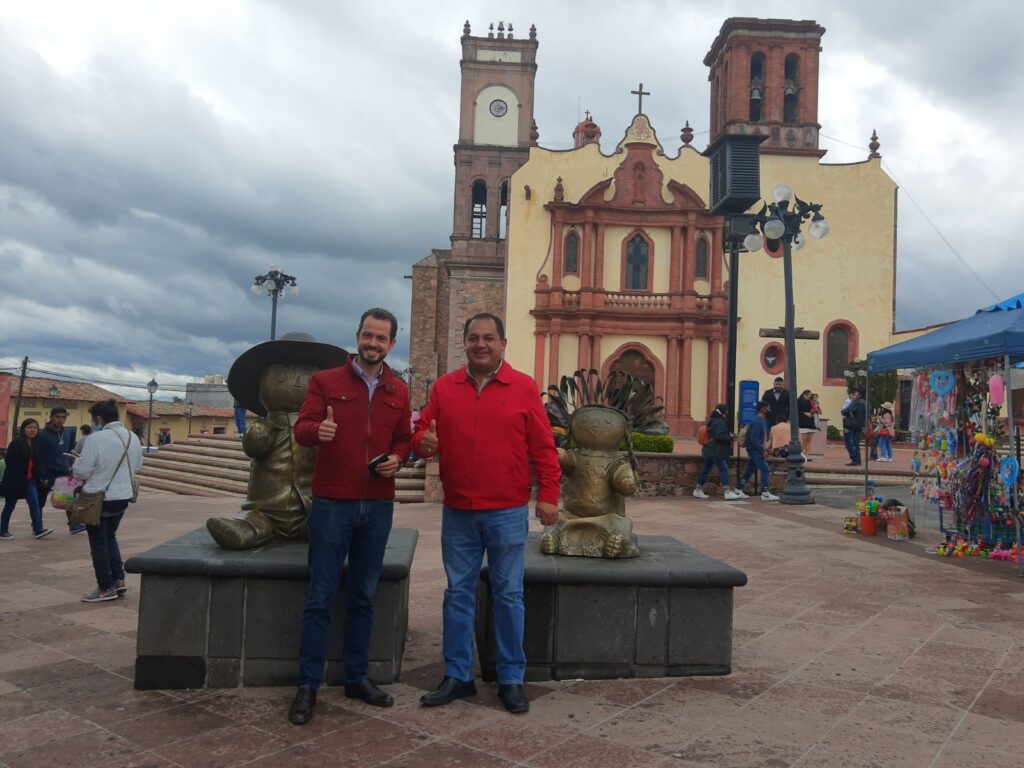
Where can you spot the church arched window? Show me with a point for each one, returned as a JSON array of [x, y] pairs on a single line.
[[572, 252], [478, 216], [791, 90], [840, 348], [503, 212], [700, 263], [756, 86], [636, 269]]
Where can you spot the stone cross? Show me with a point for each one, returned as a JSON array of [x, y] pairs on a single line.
[[640, 93]]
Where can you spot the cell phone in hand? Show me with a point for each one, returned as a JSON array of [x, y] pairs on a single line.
[[376, 462]]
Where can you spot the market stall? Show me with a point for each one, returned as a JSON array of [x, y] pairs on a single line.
[[961, 413]]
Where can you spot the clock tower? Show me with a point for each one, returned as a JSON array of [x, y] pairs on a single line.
[[496, 131]]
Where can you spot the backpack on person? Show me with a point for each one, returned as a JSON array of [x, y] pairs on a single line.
[[703, 434]]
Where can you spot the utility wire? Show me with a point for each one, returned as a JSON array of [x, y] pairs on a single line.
[[934, 226], [101, 380]]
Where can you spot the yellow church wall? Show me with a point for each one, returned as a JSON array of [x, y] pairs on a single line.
[[846, 276], [614, 238]]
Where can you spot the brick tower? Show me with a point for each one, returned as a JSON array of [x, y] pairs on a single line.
[[764, 80], [496, 130]]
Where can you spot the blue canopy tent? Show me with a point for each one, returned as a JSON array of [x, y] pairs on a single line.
[[993, 331], [990, 333]]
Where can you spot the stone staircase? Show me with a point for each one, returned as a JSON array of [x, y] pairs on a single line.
[[214, 465]]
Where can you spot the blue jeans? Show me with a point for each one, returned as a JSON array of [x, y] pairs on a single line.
[[106, 555], [755, 462], [35, 511], [358, 530], [723, 471], [240, 420], [465, 536], [852, 440], [885, 447]]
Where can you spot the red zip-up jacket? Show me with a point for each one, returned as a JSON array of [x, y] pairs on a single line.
[[487, 441], [365, 430]]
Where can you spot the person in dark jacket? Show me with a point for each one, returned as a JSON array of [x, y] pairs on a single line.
[[715, 454], [777, 399], [754, 443], [22, 479], [56, 441], [805, 421], [854, 418]]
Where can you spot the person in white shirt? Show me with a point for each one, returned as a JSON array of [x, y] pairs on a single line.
[[110, 458]]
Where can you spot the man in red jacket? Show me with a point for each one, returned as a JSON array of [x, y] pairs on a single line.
[[487, 424], [357, 418]]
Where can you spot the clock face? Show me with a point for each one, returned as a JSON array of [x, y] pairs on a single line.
[[498, 108]]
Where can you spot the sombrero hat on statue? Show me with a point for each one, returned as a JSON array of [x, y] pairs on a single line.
[[293, 348]]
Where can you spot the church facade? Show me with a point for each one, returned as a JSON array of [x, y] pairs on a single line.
[[611, 259]]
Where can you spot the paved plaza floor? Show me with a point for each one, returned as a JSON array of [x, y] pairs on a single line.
[[847, 652]]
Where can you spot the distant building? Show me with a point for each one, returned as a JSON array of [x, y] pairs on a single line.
[[211, 391], [37, 401]]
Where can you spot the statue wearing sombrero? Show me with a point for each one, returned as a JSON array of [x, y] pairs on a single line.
[[270, 380]]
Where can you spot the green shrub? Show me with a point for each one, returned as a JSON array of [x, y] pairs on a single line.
[[834, 433], [651, 443]]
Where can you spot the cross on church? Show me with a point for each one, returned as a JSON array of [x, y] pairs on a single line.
[[780, 333], [640, 93]]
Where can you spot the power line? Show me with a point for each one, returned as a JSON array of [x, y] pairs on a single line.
[[107, 382], [934, 226]]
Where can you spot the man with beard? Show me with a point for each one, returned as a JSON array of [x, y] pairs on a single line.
[[356, 417]]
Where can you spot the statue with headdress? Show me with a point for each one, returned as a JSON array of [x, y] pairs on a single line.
[[270, 380], [599, 417]]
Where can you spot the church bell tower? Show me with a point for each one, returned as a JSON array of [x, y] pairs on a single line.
[[764, 81]]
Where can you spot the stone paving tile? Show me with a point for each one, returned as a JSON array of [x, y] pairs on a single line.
[[328, 717], [21, 733], [299, 756], [371, 741], [447, 754], [854, 747], [180, 722], [222, 747], [984, 755], [585, 751], [737, 750], [95, 747]]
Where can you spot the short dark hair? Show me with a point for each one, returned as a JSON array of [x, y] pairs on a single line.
[[379, 313], [105, 411], [58, 409], [85, 429], [778, 379], [484, 316]]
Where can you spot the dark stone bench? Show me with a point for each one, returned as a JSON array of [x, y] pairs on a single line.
[[213, 618], [666, 613]]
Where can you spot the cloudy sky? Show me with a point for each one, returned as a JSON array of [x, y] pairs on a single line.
[[156, 156]]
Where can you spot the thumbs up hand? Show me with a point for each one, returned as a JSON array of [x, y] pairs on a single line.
[[327, 427], [428, 443]]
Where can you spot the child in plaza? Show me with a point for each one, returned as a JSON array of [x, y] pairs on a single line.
[[885, 432]]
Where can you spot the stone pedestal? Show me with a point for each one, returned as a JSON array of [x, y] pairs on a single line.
[[213, 618], [667, 613]]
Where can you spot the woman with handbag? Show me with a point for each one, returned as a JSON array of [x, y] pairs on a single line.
[[22, 478], [111, 457]]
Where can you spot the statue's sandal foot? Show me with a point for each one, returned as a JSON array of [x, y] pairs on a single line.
[[548, 544], [232, 533]]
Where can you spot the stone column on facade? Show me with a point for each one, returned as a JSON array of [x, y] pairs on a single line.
[[808, 86], [582, 351], [675, 287], [553, 372], [586, 263], [493, 210], [595, 352], [671, 393], [715, 259], [685, 368], [556, 257], [689, 240], [599, 267], [775, 74], [539, 337]]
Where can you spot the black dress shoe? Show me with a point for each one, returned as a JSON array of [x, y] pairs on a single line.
[[514, 698], [368, 692], [448, 691], [302, 707]]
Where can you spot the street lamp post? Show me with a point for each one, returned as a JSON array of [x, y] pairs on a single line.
[[190, 406], [274, 283], [53, 396], [781, 220], [151, 387]]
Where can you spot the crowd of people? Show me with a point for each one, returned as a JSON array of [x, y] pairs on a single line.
[[105, 458]]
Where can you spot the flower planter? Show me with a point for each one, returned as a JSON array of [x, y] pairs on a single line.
[[868, 525]]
